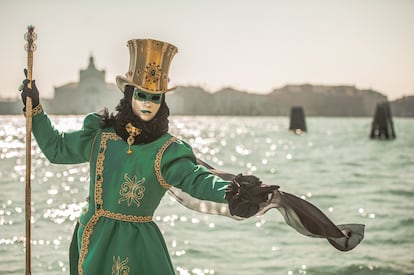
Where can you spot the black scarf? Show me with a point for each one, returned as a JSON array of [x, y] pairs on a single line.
[[151, 130]]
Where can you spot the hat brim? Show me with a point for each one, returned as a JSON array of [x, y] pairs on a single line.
[[122, 82]]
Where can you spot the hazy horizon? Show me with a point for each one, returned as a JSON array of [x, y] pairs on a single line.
[[250, 46]]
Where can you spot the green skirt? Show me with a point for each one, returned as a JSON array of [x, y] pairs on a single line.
[[120, 247]]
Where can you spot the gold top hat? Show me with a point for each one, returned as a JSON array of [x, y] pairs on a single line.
[[148, 65]]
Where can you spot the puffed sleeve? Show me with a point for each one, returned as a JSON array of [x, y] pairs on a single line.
[[65, 147], [179, 168]]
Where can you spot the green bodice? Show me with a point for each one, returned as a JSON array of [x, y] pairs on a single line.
[[121, 183]]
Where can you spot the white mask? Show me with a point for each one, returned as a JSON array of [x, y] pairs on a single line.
[[145, 105]]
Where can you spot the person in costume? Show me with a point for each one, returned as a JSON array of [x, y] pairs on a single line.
[[134, 161]]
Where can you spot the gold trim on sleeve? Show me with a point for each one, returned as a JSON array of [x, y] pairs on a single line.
[[36, 110], [157, 164]]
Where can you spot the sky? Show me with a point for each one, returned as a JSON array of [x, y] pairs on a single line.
[[253, 46]]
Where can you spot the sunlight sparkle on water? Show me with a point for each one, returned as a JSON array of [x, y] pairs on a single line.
[[275, 248], [65, 212], [202, 271], [242, 150], [196, 271], [52, 191], [179, 253], [363, 213]]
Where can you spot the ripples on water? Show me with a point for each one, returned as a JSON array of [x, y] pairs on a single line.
[[335, 166]]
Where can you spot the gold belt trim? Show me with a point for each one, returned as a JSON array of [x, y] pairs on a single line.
[[126, 218]]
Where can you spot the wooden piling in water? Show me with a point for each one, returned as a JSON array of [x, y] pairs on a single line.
[[297, 120], [382, 125]]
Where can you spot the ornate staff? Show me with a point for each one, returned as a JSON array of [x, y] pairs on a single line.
[[30, 47]]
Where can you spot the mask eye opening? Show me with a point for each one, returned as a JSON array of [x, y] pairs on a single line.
[[156, 98], [142, 95]]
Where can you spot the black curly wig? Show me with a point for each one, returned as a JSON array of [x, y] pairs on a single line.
[[151, 130]]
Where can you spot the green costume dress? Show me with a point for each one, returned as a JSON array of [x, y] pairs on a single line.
[[116, 233]]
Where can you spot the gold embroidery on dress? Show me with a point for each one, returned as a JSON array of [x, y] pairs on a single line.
[[132, 190], [98, 199], [120, 267], [99, 167], [85, 241], [157, 164]]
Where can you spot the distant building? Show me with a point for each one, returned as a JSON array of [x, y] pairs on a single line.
[[90, 94], [93, 94], [11, 107]]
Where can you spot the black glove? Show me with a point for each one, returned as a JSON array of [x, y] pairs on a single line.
[[246, 193], [33, 93]]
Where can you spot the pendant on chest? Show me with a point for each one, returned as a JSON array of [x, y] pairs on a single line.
[[133, 132]]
